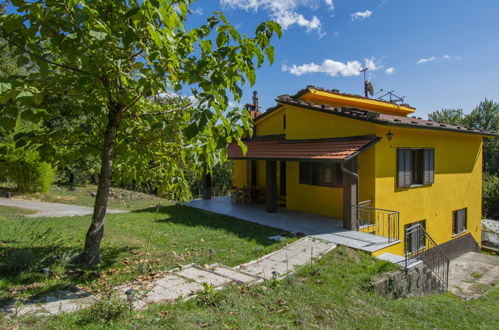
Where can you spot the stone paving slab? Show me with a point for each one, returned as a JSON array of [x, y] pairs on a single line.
[[62, 301], [472, 274], [188, 281], [236, 275], [200, 275]]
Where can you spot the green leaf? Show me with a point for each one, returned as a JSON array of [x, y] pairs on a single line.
[[98, 35], [131, 12], [270, 54], [8, 123], [4, 87]]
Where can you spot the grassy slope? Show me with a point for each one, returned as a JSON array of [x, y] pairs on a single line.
[[182, 235], [82, 195], [331, 294]]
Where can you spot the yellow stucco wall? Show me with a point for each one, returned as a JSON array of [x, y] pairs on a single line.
[[239, 173], [313, 199], [310, 124], [272, 124], [457, 183]]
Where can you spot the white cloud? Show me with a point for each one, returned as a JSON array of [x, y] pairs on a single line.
[[451, 58], [333, 68], [197, 11], [426, 60], [285, 12], [371, 64], [330, 67], [360, 15], [390, 70], [330, 4]]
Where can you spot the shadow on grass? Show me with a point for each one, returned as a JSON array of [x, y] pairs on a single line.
[[189, 216], [23, 268]]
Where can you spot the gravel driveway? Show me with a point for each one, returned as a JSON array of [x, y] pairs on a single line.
[[51, 209]]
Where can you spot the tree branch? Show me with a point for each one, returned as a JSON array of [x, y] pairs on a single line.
[[166, 111], [41, 57]]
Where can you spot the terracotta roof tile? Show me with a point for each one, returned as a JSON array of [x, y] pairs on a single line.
[[278, 148]]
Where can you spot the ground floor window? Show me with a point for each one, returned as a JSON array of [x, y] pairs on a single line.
[[414, 237], [459, 221], [321, 174]]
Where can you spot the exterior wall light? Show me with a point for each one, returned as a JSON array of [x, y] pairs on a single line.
[[389, 135]]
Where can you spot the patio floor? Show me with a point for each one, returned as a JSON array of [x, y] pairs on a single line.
[[322, 227]]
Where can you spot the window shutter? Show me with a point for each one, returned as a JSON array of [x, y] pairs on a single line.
[[404, 167], [429, 166], [306, 174], [461, 216], [454, 222]]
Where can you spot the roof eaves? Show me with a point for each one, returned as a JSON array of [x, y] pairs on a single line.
[[374, 117], [364, 148]]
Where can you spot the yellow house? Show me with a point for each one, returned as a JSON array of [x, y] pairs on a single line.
[[369, 163]]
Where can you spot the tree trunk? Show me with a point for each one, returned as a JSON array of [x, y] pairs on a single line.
[[91, 251]]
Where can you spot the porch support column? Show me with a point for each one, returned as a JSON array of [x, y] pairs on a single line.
[[207, 186], [271, 186], [350, 188], [249, 174]]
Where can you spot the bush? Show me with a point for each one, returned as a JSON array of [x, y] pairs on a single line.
[[28, 172], [490, 196]]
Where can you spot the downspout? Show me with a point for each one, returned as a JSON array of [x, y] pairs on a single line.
[[356, 176]]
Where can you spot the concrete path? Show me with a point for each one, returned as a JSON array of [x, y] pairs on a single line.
[[186, 282], [44, 209], [319, 226], [472, 274]]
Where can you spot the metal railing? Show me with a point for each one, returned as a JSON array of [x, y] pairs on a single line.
[[419, 246], [376, 221]]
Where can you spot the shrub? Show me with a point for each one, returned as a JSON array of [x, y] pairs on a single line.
[[491, 196], [28, 172]]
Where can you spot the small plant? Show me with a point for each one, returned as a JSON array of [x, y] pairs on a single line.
[[107, 309], [209, 296], [476, 276]]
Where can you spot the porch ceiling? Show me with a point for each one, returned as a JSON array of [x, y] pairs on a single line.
[[278, 148]]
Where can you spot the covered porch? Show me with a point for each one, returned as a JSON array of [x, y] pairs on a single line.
[[318, 226], [318, 176]]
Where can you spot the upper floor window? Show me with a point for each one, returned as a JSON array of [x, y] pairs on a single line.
[[459, 221], [321, 174], [415, 166]]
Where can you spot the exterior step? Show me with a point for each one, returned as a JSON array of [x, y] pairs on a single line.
[[235, 275], [203, 275]]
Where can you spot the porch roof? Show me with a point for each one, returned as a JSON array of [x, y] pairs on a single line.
[[278, 148]]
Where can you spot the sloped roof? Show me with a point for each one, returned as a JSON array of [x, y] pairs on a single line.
[[379, 118], [278, 148], [335, 91]]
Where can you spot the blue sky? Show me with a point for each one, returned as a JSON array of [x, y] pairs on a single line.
[[438, 54]]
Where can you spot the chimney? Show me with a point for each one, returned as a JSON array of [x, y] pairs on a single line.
[[254, 109]]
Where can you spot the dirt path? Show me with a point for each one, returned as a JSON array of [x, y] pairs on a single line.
[[44, 209]]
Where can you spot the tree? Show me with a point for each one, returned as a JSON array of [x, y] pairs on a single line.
[[449, 116], [485, 116], [112, 61]]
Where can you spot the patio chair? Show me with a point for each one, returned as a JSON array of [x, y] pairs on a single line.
[[233, 195], [246, 196]]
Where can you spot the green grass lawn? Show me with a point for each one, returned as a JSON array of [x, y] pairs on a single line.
[[181, 235], [332, 294]]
